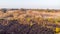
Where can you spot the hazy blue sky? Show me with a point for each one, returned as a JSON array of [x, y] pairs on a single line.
[[54, 4]]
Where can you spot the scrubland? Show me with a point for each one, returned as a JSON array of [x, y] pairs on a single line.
[[30, 21]]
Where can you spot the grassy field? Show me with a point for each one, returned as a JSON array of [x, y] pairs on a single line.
[[30, 22]]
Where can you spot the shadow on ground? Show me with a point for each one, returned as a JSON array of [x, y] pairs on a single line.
[[14, 27]]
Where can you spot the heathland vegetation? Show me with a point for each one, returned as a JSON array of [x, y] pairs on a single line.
[[29, 21]]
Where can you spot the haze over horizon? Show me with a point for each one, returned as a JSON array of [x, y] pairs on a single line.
[[34, 4]]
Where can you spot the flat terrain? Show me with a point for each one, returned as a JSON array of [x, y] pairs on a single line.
[[29, 21]]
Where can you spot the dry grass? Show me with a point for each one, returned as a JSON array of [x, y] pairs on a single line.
[[30, 17]]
